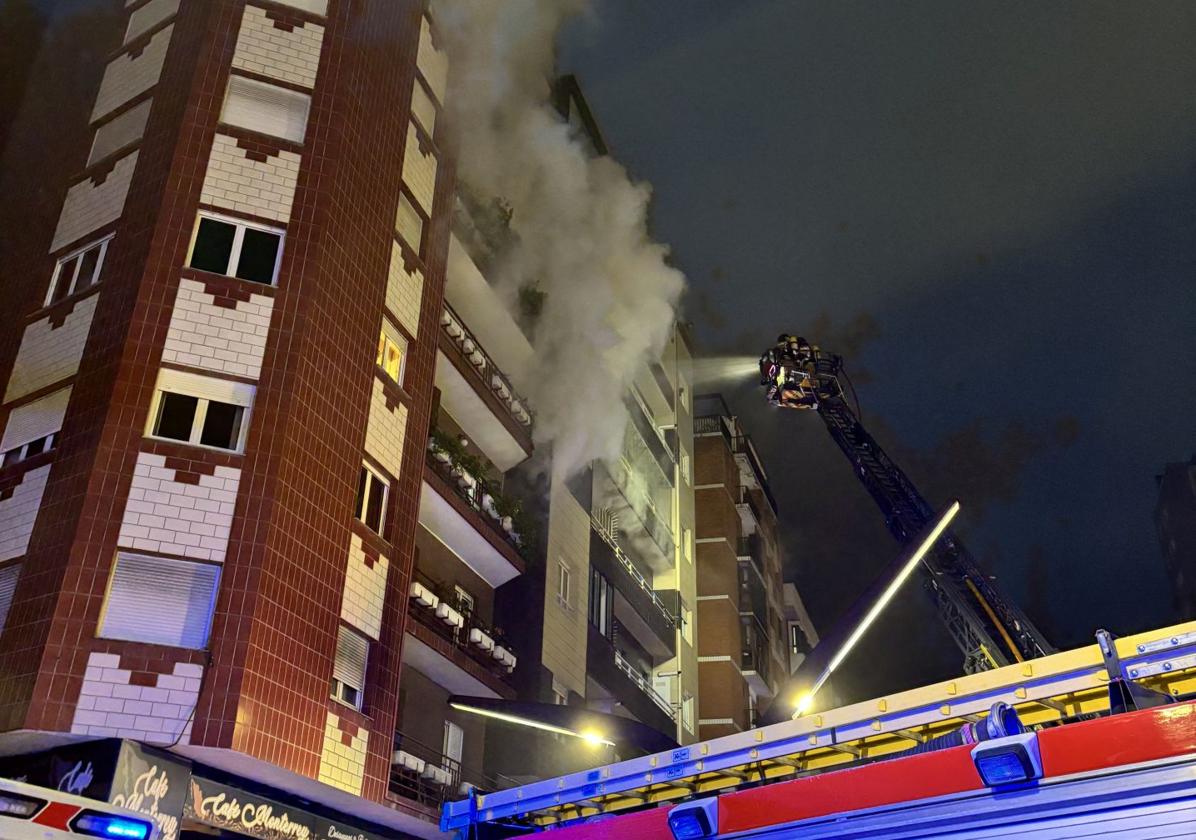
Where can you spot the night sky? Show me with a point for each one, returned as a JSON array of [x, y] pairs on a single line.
[[990, 208]]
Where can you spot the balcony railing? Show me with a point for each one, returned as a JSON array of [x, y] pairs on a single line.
[[645, 685], [621, 475], [504, 516], [632, 569], [437, 604], [426, 775], [484, 369], [747, 499]]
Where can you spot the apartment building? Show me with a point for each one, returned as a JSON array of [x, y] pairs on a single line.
[[223, 529], [800, 636], [742, 631]]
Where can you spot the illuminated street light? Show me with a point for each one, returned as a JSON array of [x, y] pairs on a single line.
[[592, 738], [806, 701]]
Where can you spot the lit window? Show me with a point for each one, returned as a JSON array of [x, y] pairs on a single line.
[[235, 248], [200, 410], [371, 499], [391, 355], [160, 601], [77, 271], [348, 671], [563, 582]]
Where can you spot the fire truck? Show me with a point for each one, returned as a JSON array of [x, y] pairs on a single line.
[[1099, 741]]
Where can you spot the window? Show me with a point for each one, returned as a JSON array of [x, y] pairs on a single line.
[[410, 224], [686, 475], [160, 601], [687, 544], [392, 352], [235, 248], [77, 271], [563, 581], [200, 410], [795, 638], [8, 585], [424, 108], [28, 450], [601, 603], [266, 108], [560, 694], [454, 742], [687, 624], [371, 499], [465, 602], [687, 713], [348, 671]]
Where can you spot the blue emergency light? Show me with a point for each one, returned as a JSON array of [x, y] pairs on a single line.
[[94, 824], [1012, 760], [694, 820]]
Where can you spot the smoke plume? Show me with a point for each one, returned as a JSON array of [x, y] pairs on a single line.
[[578, 224]]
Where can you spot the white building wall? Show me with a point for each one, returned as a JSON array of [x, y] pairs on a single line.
[[129, 74], [50, 354], [404, 291], [90, 205], [148, 16], [174, 517], [18, 512], [365, 589], [110, 707], [342, 761], [386, 430], [219, 338], [271, 51], [419, 170], [235, 182], [565, 627]]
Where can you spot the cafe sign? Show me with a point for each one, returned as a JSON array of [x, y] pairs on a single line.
[[240, 812]]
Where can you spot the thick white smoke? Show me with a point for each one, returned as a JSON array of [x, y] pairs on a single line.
[[580, 224]]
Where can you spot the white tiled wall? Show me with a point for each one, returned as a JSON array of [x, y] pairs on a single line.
[[365, 590], [565, 629], [212, 337], [386, 430], [110, 707], [343, 766], [190, 520], [148, 16], [89, 205], [432, 63], [419, 170], [404, 291], [128, 75], [264, 48], [237, 183], [35, 420], [19, 511], [48, 355], [120, 132]]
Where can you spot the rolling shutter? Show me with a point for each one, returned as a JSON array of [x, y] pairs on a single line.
[[351, 652], [160, 601], [8, 585], [266, 108]]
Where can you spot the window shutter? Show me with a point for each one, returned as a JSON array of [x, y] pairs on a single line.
[[8, 585], [351, 652], [266, 108], [160, 601], [35, 420]]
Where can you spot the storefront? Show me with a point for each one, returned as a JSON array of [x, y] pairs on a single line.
[[188, 802]]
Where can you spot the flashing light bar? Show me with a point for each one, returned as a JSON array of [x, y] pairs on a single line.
[[95, 824]]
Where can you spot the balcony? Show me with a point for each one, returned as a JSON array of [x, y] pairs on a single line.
[[751, 471], [653, 444], [480, 526], [754, 661], [480, 396], [637, 606], [627, 685], [640, 529], [750, 549], [454, 648], [749, 510], [425, 775]]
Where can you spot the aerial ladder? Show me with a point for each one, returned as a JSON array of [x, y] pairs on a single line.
[[988, 628]]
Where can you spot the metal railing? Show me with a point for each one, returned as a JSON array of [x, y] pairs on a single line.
[[426, 775], [473, 490], [644, 684], [746, 498], [632, 569], [459, 636], [487, 372]]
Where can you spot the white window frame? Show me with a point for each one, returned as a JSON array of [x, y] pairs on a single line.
[[51, 442], [102, 244], [234, 254], [564, 584], [687, 623], [454, 736], [206, 389], [363, 502], [687, 544], [465, 600], [687, 713], [338, 685], [400, 341]]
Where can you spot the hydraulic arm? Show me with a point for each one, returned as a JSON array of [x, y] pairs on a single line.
[[989, 629]]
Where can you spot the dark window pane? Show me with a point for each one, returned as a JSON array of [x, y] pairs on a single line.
[[62, 284], [87, 267], [213, 245], [176, 413], [11, 457], [35, 447], [222, 426], [259, 252], [373, 511], [362, 481]]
